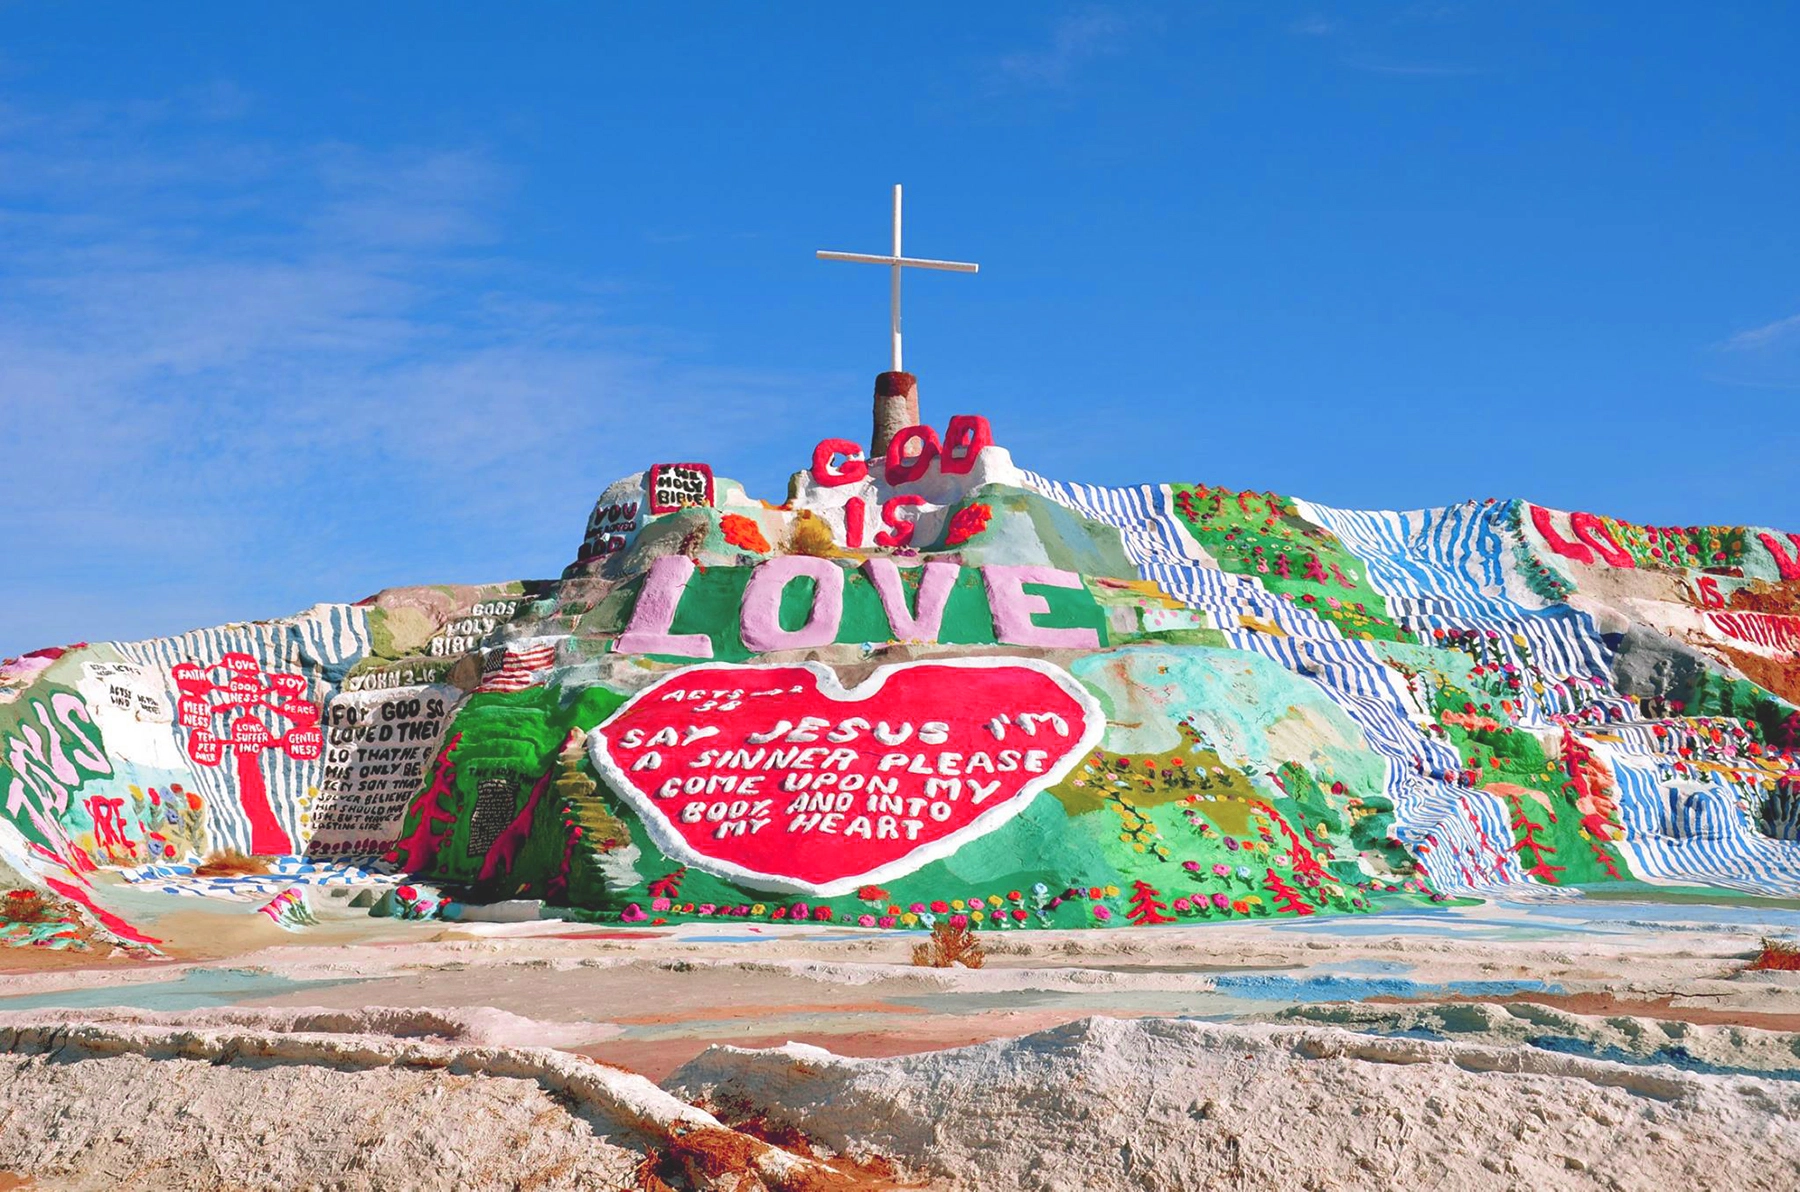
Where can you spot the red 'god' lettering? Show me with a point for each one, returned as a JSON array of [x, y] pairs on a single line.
[[910, 456]]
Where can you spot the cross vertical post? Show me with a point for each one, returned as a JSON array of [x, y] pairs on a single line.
[[895, 263], [894, 302]]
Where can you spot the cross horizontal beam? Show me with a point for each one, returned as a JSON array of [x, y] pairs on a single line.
[[895, 263], [911, 262]]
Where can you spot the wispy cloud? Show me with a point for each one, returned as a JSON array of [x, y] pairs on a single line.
[[1779, 333], [1385, 48], [1075, 40], [237, 377], [1761, 358]]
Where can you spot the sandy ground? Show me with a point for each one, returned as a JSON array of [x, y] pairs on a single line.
[[1589, 1044]]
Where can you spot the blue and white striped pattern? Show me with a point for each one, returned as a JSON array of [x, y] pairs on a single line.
[[1687, 832], [1350, 672], [1446, 561], [1142, 514], [1145, 517], [1446, 569], [1461, 838], [322, 644], [284, 872]]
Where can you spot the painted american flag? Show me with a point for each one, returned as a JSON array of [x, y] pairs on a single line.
[[514, 668]]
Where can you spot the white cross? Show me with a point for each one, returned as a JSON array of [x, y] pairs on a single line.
[[896, 261]]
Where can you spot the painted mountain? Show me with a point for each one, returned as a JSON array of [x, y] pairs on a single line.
[[933, 684]]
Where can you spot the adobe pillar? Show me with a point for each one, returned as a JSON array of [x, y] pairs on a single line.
[[896, 408]]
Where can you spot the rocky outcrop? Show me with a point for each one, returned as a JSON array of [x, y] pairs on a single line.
[[1154, 1104], [120, 1104]]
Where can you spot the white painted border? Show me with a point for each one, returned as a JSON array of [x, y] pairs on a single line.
[[670, 840]]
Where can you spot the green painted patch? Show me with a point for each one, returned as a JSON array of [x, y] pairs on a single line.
[[1263, 535]]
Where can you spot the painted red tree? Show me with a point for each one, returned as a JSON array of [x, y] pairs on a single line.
[[669, 884], [436, 808], [251, 703], [1286, 897], [1145, 909], [1528, 842], [504, 853], [1305, 864]]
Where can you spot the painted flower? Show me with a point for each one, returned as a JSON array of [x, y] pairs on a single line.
[[1241, 907], [821, 914], [886, 921], [928, 920], [1102, 912], [909, 918], [1221, 901], [1183, 906], [744, 533], [967, 522], [1220, 869], [759, 909], [706, 908], [959, 922], [1018, 916], [871, 894], [939, 907], [406, 892], [1191, 866], [1112, 891], [633, 914], [659, 904], [977, 916], [956, 904]]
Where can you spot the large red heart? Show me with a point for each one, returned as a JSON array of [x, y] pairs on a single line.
[[778, 778]]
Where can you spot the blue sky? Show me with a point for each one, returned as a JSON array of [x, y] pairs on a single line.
[[298, 302]]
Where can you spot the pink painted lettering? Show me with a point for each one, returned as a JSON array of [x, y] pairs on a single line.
[[1014, 608], [654, 615], [760, 619], [935, 584]]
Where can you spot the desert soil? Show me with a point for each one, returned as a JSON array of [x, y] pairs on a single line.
[[1566, 1043]]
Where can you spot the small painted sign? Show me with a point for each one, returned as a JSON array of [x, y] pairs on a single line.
[[676, 486]]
